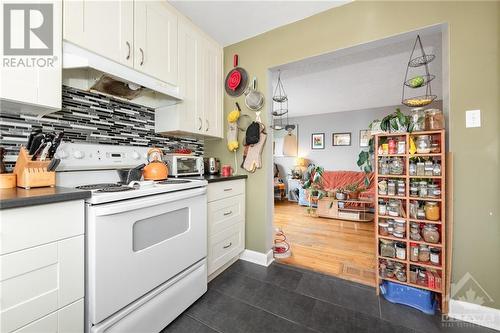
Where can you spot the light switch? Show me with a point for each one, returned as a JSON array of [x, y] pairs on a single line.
[[472, 118]]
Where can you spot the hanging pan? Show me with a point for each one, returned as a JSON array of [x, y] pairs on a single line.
[[236, 79], [254, 99]]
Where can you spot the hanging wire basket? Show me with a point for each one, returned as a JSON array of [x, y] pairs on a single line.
[[421, 61], [419, 100], [280, 106], [418, 81]]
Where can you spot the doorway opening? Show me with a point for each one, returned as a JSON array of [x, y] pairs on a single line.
[[325, 223]]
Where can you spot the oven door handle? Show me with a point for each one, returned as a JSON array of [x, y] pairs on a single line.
[[148, 201]]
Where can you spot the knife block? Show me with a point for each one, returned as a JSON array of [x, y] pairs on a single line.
[[33, 173]]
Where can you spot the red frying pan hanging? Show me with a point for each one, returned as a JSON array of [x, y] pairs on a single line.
[[236, 80]]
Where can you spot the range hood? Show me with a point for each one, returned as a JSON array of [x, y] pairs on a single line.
[[86, 70]]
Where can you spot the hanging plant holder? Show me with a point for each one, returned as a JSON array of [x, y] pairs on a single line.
[[418, 81], [280, 106]]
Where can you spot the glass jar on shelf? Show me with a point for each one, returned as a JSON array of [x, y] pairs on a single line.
[[417, 119], [424, 254], [401, 188], [382, 187], [423, 144], [436, 170], [428, 168], [383, 166], [401, 275], [396, 167], [422, 278], [382, 208], [435, 256], [434, 119], [422, 189], [391, 187], [392, 146], [430, 234], [387, 248], [414, 189], [383, 229], [413, 274], [401, 251], [431, 211], [412, 168], [433, 191], [401, 147], [414, 251], [420, 168], [394, 208]]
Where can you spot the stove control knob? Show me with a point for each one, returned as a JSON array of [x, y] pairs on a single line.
[[78, 154], [62, 154], [136, 155]]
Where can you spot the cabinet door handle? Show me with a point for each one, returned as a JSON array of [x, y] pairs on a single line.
[[201, 123], [128, 53], [228, 213], [228, 245], [228, 189], [206, 120], [142, 56]]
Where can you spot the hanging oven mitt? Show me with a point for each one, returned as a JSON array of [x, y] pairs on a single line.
[[253, 158]]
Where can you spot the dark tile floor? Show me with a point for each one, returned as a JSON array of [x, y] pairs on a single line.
[[252, 298]]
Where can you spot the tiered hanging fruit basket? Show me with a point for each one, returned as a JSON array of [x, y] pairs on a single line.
[[418, 81]]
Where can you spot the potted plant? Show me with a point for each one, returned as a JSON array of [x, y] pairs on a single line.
[[313, 186], [353, 190], [340, 194], [396, 122]]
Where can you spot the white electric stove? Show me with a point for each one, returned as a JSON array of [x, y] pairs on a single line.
[[146, 242]]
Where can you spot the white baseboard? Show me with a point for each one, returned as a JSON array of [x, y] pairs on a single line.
[[476, 314], [263, 259]]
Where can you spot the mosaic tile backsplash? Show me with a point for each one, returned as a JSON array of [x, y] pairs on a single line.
[[91, 118]]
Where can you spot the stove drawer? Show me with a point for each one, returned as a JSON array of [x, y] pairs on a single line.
[[225, 213], [225, 189], [225, 245]]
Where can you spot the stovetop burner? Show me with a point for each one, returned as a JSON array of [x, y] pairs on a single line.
[[98, 186], [173, 181], [116, 189]]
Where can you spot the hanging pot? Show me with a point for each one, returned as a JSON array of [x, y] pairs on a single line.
[[236, 80], [254, 99]]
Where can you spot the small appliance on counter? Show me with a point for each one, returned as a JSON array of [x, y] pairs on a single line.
[[184, 165], [212, 165], [156, 168]]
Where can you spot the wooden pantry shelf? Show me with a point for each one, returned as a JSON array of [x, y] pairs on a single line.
[[392, 197], [424, 221], [439, 137], [423, 199], [421, 264], [412, 284]]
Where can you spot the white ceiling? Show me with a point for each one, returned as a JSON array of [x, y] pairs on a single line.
[[361, 77], [229, 22]]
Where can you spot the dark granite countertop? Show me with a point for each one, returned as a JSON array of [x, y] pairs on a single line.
[[218, 178], [19, 197]]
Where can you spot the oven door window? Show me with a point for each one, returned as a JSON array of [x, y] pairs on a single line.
[[186, 165], [157, 229]]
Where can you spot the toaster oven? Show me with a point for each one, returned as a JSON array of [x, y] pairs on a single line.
[[184, 165]]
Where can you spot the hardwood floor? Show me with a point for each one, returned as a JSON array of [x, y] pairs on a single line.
[[334, 247]]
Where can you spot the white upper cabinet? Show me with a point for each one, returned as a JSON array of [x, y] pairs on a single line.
[[28, 88], [212, 92], [200, 84], [155, 38], [103, 27]]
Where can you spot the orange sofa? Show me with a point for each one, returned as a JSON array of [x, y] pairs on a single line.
[[335, 179]]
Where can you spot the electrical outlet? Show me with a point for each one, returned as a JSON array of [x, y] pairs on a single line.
[[472, 118]]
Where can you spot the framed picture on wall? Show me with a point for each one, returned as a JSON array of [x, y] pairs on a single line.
[[364, 138], [341, 139], [318, 141]]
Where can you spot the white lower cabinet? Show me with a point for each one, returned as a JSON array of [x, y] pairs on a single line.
[[226, 223], [42, 274]]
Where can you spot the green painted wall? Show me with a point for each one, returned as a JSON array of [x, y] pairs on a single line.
[[474, 38]]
